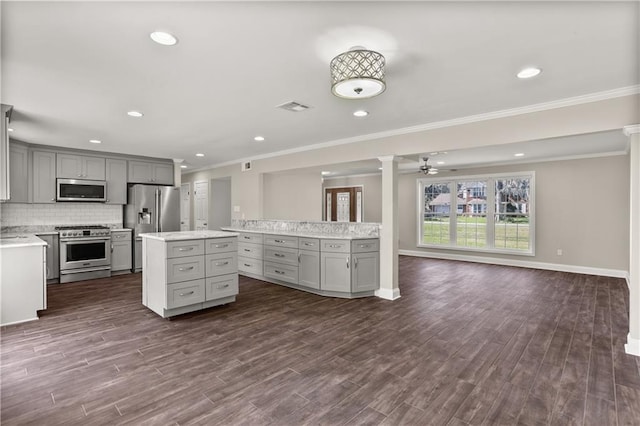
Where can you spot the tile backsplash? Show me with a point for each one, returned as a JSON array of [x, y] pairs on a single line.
[[16, 214]]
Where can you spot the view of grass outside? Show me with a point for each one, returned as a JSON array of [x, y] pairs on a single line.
[[471, 231]]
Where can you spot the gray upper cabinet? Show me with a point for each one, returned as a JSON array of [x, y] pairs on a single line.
[[19, 173], [43, 177], [148, 172], [71, 166], [116, 181]]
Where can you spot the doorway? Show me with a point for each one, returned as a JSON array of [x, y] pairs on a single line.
[[201, 204], [343, 204]]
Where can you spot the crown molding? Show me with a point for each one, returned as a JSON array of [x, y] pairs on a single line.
[[631, 130], [560, 103]]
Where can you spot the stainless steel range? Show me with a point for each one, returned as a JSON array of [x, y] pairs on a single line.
[[85, 252]]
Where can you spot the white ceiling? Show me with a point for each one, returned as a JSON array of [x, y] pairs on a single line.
[[73, 69]]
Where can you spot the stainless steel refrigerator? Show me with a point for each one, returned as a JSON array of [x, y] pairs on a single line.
[[150, 208]]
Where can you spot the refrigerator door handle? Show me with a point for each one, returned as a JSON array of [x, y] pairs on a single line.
[[157, 199]]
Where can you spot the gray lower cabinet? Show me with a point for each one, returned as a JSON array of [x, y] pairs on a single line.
[[281, 258], [250, 254], [116, 173], [53, 253], [335, 272], [350, 266], [365, 275], [43, 173], [309, 269], [121, 251]]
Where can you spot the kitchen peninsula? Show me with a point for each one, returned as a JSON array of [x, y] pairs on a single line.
[[336, 259], [188, 271]]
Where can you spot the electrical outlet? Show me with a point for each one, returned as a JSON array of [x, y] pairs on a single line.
[[236, 209], [559, 252]]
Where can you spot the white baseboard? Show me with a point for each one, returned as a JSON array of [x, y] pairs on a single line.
[[388, 293], [632, 347], [616, 273]]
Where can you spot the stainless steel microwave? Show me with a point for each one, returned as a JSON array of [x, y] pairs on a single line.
[[81, 190]]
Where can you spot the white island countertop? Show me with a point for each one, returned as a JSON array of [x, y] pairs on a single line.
[[304, 234], [188, 235], [20, 240]]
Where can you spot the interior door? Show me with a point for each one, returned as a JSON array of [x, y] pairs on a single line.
[[201, 204], [185, 206], [343, 204]]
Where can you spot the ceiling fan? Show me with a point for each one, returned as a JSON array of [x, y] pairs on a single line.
[[426, 168]]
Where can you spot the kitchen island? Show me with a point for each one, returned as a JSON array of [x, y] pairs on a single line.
[[188, 271], [23, 278]]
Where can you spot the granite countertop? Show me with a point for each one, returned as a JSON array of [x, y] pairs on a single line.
[[188, 235], [325, 236], [20, 240]]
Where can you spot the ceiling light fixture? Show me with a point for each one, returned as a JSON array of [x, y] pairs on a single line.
[[136, 114], [360, 113], [324, 173], [182, 166], [199, 155], [258, 138], [10, 129], [357, 74], [163, 38], [440, 163], [94, 141], [529, 72], [519, 154], [426, 168]]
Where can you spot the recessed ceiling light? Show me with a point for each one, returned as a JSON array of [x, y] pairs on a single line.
[[324, 173], [94, 141], [163, 38], [519, 154], [360, 113], [199, 155], [258, 138], [182, 166], [529, 72], [437, 153], [440, 163], [379, 168], [136, 114], [10, 129]]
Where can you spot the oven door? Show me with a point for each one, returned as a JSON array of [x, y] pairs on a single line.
[[84, 252]]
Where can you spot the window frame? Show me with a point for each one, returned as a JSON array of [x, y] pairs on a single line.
[[453, 181]]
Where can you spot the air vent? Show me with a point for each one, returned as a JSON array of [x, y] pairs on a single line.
[[293, 106], [246, 166]]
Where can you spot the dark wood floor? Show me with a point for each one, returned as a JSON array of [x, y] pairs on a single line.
[[466, 344]]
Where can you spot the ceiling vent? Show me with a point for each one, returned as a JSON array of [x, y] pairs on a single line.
[[293, 106], [246, 166]]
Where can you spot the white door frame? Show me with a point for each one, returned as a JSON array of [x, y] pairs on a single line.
[[185, 207]]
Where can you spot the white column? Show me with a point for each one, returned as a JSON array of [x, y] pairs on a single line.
[[177, 171], [633, 338], [389, 233]]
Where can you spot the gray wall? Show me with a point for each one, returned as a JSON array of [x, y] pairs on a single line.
[[219, 203], [292, 196]]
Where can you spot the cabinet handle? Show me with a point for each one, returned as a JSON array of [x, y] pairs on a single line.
[[222, 263], [223, 286], [347, 263], [280, 241], [111, 248], [299, 255], [309, 244], [186, 294], [247, 265], [53, 199], [365, 245], [247, 250], [246, 238], [185, 269], [355, 263], [185, 249], [278, 272], [335, 245], [107, 201], [278, 255], [79, 176], [222, 245]]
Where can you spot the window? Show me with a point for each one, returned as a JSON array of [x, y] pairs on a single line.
[[485, 213]]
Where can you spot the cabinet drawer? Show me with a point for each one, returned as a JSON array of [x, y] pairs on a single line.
[[121, 236], [250, 237], [220, 245], [253, 251], [185, 248], [335, 246], [281, 241], [363, 246], [250, 266], [185, 269], [222, 286], [221, 263], [184, 294], [284, 255], [312, 244], [281, 272]]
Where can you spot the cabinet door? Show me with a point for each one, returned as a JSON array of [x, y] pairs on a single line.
[[69, 166], [140, 172], [93, 168], [335, 272], [364, 272], [116, 175], [44, 177], [120, 255], [19, 173], [309, 269], [163, 174]]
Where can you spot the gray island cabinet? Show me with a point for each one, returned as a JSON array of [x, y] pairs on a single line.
[[188, 271]]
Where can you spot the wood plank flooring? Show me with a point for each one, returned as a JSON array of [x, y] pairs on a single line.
[[466, 344]]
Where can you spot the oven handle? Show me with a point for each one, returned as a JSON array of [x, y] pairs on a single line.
[[77, 240]]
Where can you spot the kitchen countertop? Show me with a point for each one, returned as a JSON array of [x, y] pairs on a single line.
[[120, 229], [187, 235], [303, 234], [20, 240]]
